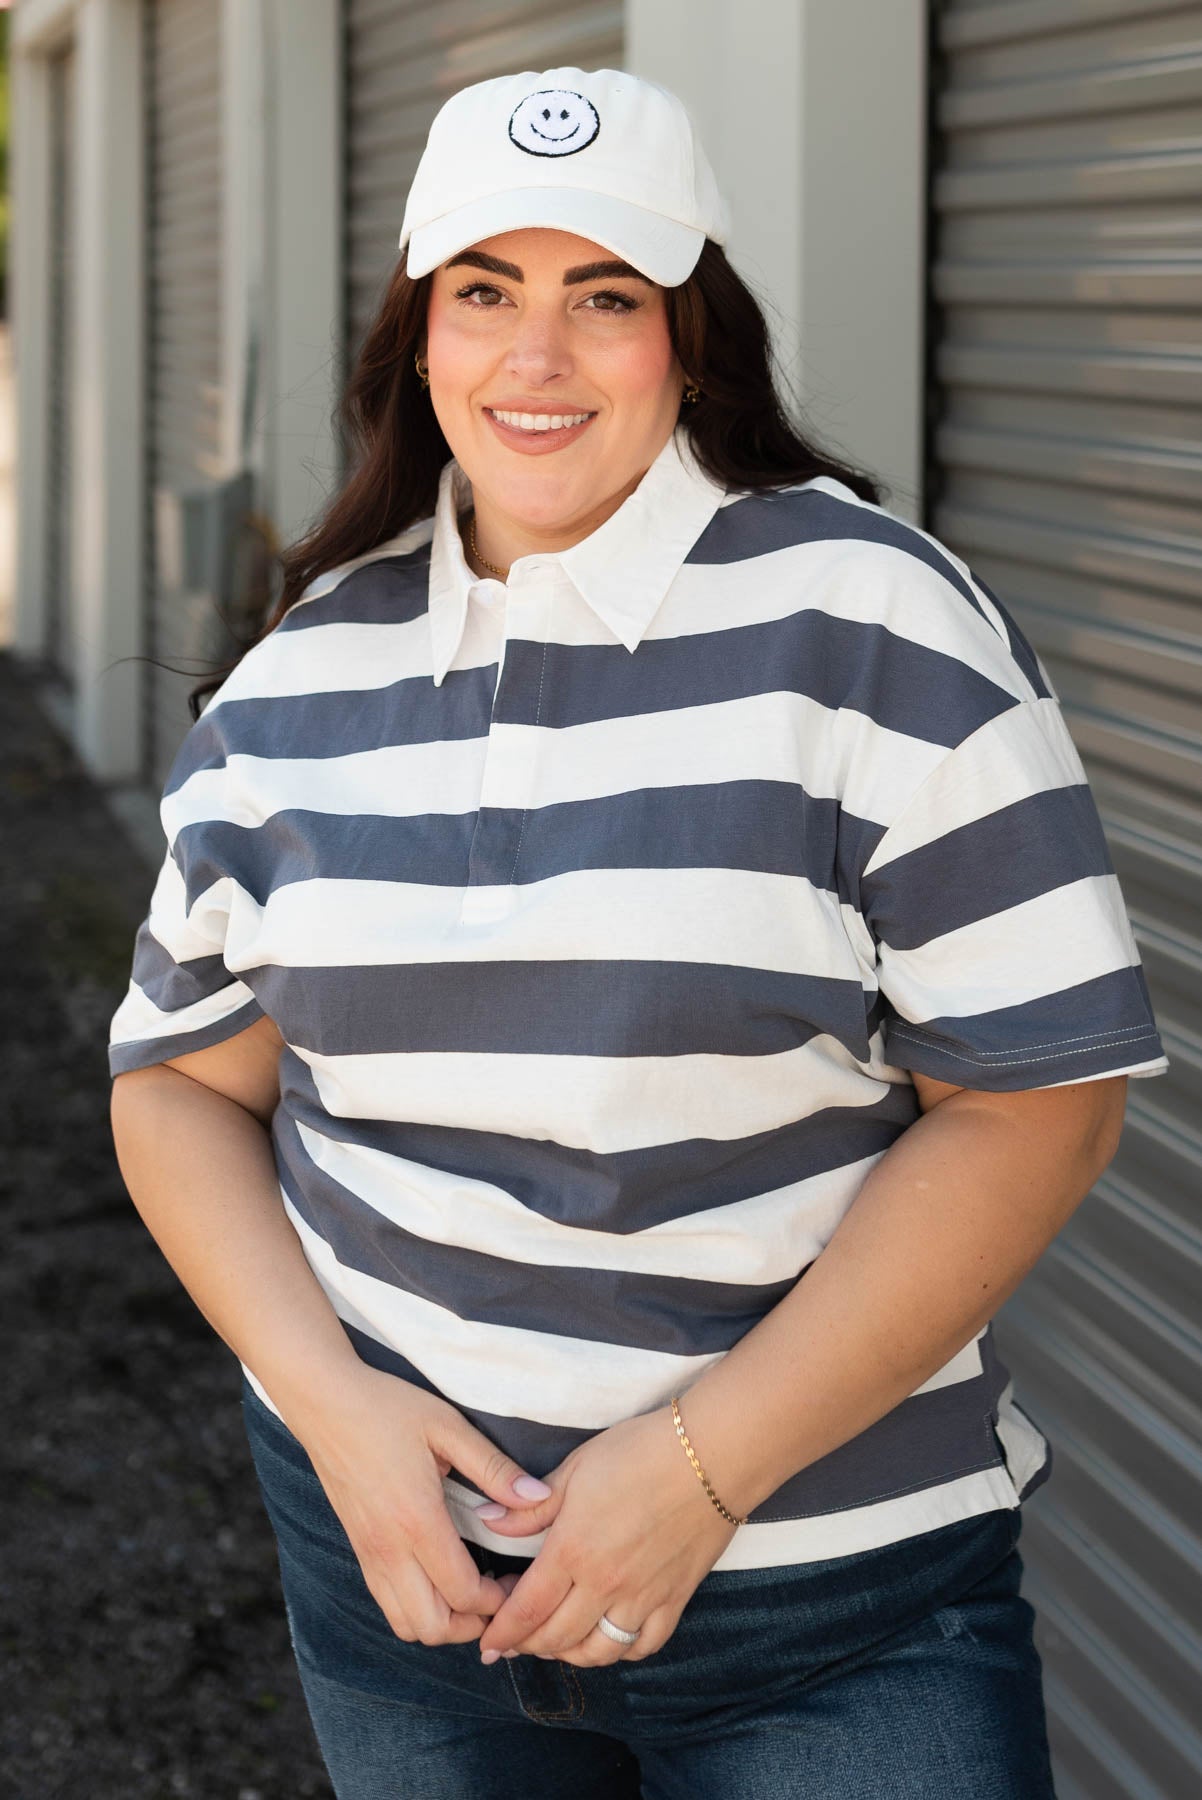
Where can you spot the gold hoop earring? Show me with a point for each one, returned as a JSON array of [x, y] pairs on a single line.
[[423, 371], [691, 394]]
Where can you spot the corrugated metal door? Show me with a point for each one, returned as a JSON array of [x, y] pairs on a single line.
[[402, 60], [1066, 467], [60, 597], [183, 336]]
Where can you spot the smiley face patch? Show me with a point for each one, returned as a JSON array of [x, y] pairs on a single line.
[[553, 122]]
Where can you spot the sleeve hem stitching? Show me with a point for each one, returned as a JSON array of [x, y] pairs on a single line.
[[1094, 1041]]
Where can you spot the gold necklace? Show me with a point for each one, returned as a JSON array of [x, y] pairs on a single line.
[[471, 532]]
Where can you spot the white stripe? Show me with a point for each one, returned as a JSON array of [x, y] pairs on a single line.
[[778, 1542], [1023, 1444], [862, 582], [502, 1369], [774, 737], [400, 781], [1137, 1071], [138, 1020], [545, 1377], [599, 1103], [342, 655], [722, 917], [185, 934], [768, 1237], [1072, 934], [1023, 752], [333, 657], [943, 554]]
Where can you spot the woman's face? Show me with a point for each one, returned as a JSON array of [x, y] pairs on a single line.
[[554, 330]]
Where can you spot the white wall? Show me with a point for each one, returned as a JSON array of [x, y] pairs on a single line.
[[106, 330], [109, 361], [282, 257], [281, 279], [29, 304], [813, 113]]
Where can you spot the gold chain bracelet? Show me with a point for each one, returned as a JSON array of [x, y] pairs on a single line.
[[692, 1456]]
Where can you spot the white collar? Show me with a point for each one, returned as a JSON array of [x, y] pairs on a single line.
[[622, 570]]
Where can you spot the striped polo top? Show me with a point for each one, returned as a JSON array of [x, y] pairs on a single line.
[[604, 914]]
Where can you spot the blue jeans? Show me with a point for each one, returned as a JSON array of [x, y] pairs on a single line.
[[907, 1672]]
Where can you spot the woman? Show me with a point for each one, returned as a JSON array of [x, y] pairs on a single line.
[[627, 846]]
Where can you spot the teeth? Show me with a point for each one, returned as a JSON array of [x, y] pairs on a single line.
[[539, 421]]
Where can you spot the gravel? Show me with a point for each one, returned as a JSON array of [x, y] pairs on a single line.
[[143, 1642]]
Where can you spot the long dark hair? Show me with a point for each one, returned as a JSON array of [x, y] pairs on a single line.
[[738, 428]]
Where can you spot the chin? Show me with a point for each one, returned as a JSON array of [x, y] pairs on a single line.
[[541, 499]]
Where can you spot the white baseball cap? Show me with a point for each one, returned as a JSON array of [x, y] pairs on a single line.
[[600, 153]]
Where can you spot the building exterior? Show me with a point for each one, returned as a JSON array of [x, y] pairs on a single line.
[[978, 226]]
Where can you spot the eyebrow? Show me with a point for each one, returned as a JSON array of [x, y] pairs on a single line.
[[479, 259]]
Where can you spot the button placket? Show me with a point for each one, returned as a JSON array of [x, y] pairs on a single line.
[[508, 771]]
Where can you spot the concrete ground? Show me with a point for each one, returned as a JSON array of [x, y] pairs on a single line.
[[143, 1645]]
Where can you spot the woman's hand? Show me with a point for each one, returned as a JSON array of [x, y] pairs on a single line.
[[381, 1463], [631, 1532]]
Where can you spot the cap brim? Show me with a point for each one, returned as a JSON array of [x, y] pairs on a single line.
[[660, 248]]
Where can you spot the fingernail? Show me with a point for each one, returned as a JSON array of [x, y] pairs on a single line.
[[508, 1653], [531, 1488], [489, 1656], [492, 1509]]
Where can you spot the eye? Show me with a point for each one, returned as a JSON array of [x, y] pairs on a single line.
[[479, 287], [624, 303]]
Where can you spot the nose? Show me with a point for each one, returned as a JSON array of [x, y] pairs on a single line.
[[538, 351]]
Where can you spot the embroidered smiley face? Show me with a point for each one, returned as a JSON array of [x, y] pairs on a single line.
[[555, 122]]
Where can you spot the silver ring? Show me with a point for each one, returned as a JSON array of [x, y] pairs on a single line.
[[615, 1631]]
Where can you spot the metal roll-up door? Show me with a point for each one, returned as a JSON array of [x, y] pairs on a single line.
[[401, 62], [60, 614], [1065, 466], [183, 332]]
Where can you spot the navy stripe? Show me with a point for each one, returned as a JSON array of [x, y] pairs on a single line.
[[1084, 1030], [925, 1440], [676, 1315], [173, 985], [574, 1007], [1009, 856], [142, 1052], [899, 684], [769, 827], [342, 722], [758, 524], [390, 590], [627, 1190], [1020, 648], [294, 845]]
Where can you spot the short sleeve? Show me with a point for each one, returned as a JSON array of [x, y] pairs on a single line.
[[1005, 956], [181, 995]]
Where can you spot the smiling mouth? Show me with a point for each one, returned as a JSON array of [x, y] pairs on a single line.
[[538, 422], [548, 138]]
